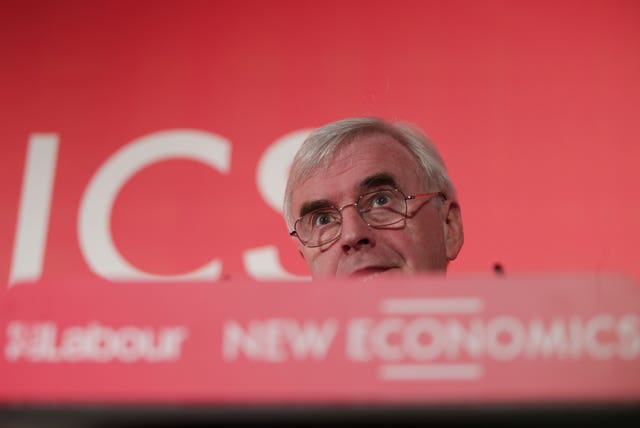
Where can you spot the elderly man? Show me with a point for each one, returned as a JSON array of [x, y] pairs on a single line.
[[366, 197]]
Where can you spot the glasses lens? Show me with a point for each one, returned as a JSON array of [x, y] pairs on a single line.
[[319, 227], [382, 207]]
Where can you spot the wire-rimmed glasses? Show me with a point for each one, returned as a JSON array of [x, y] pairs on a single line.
[[382, 207]]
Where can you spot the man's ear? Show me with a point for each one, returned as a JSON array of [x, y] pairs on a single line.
[[453, 231]]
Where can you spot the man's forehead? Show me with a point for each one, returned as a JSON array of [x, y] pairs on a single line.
[[375, 150], [354, 167]]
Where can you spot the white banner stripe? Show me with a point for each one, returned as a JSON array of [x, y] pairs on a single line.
[[432, 305], [35, 206], [416, 372]]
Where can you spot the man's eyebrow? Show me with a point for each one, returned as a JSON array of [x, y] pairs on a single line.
[[307, 207], [377, 180], [370, 182]]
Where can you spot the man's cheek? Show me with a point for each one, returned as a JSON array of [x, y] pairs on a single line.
[[301, 250], [313, 260], [324, 265]]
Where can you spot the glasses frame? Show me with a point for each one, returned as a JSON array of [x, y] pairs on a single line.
[[360, 213]]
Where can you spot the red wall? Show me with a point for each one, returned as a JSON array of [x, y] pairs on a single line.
[[534, 106]]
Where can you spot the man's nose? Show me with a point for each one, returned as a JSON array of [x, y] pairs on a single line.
[[355, 233]]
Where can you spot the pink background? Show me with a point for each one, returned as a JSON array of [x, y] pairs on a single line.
[[534, 106]]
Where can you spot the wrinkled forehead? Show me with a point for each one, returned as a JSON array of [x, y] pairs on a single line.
[[357, 166], [359, 146]]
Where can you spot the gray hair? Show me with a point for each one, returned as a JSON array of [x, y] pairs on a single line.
[[320, 146]]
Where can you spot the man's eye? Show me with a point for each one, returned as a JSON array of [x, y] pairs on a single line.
[[380, 200], [322, 219]]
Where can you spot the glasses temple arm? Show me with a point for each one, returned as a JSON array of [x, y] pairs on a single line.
[[427, 195]]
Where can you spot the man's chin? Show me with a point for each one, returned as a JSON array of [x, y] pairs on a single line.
[[365, 275]]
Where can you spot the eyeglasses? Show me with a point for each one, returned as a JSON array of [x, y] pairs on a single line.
[[382, 207]]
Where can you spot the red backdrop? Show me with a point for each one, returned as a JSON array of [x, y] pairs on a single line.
[[534, 106]]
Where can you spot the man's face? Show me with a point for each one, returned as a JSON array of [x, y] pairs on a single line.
[[426, 240]]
